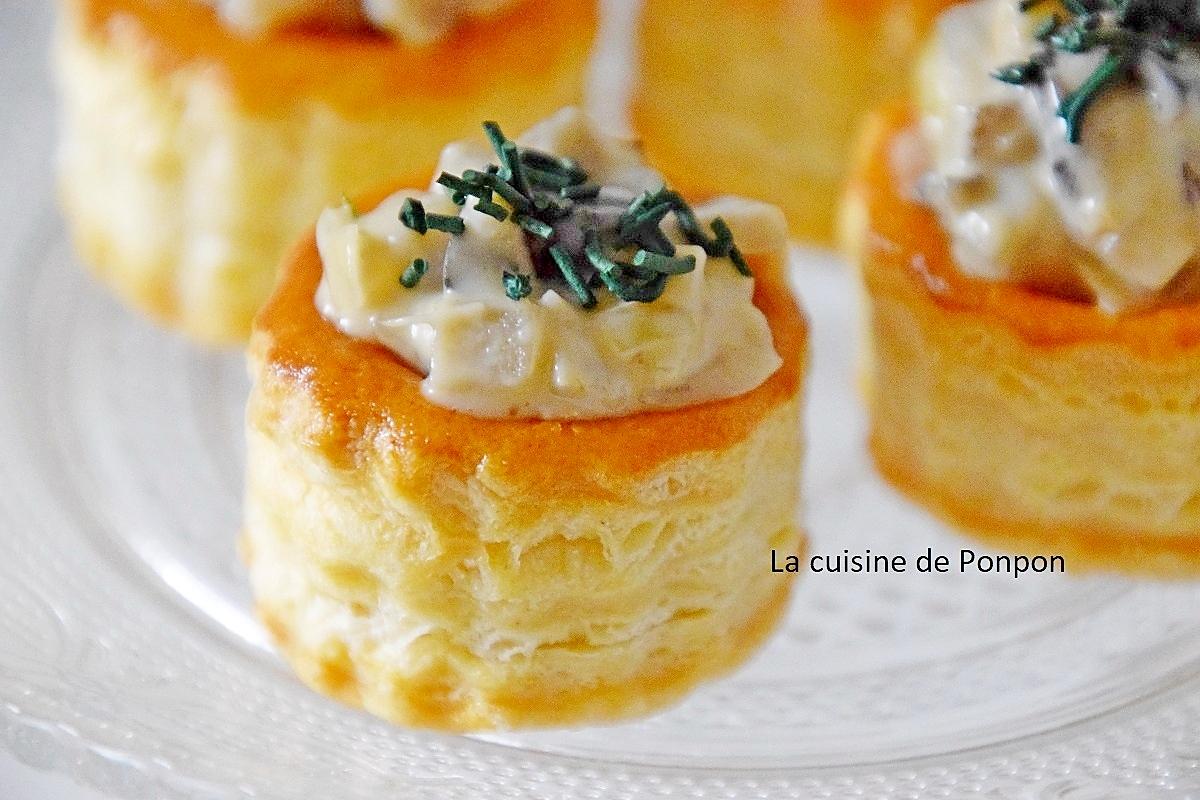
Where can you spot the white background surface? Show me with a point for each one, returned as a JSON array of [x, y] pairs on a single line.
[[17, 18], [28, 115], [18, 782]]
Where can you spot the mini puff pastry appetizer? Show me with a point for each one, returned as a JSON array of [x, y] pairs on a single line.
[[200, 137], [767, 94], [521, 444], [1029, 237]]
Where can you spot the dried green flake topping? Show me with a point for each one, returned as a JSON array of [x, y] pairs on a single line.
[[446, 224], [581, 191], [574, 233], [667, 265], [570, 272], [416, 270], [516, 285], [414, 216]]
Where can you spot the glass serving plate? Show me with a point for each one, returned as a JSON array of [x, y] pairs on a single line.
[[130, 659]]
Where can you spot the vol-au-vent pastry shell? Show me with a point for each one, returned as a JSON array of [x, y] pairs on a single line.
[[1040, 422], [192, 157], [459, 572]]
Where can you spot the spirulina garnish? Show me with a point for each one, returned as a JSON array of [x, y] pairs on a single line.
[[416, 270], [516, 285], [550, 198], [1126, 30], [414, 216]]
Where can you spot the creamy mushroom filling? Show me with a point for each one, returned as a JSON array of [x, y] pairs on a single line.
[[555, 277], [1063, 146]]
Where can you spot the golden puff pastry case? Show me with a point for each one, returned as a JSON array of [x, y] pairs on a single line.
[[521, 443], [1027, 231]]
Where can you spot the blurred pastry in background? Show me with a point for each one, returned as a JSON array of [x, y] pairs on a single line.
[[767, 94], [199, 138], [521, 444], [1028, 231]]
